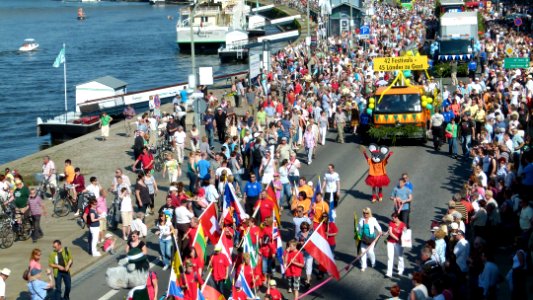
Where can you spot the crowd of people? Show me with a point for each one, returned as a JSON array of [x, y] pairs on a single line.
[[259, 132]]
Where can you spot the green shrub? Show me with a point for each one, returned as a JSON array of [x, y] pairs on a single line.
[[393, 132], [443, 69]]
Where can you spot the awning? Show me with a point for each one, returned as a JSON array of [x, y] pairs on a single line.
[[452, 57]]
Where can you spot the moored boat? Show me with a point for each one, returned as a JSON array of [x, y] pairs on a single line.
[[67, 126], [81, 14]]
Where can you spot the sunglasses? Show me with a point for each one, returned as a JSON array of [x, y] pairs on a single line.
[[365, 213]]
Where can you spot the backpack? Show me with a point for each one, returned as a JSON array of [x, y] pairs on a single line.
[[257, 156]]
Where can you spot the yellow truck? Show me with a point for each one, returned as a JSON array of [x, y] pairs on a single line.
[[400, 111]]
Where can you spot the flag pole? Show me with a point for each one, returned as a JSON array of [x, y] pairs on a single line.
[[65, 80], [309, 238]]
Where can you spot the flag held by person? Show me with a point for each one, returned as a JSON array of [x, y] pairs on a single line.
[[318, 189], [230, 200], [60, 59], [227, 247], [209, 222], [200, 243], [173, 287], [317, 246], [241, 281], [271, 194], [279, 245], [210, 293], [250, 248]]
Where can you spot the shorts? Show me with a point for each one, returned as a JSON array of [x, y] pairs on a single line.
[[103, 224], [127, 218], [143, 208], [294, 283], [52, 181]]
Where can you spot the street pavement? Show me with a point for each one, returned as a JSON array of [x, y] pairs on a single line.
[[435, 177]]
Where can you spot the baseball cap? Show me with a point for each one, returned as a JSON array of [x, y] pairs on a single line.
[[218, 247], [272, 282]]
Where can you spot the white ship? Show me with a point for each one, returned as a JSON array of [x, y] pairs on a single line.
[[211, 22]]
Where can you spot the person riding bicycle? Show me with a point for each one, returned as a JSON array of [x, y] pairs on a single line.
[[78, 184], [147, 161], [49, 174]]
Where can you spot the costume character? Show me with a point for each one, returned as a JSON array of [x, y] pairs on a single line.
[[377, 174], [131, 271]]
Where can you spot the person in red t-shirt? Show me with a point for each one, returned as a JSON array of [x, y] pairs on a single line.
[[294, 264], [268, 253], [196, 261], [190, 281], [266, 206], [394, 245], [273, 291], [147, 160], [251, 275], [220, 265], [331, 232]]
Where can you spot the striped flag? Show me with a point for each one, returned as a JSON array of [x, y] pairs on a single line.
[[317, 246], [279, 245], [244, 285], [227, 247], [250, 248], [200, 243], [271, 194], [60, 59], [231, 200]]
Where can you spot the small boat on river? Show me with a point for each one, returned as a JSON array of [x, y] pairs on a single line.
[[81, 14], [29, 45]]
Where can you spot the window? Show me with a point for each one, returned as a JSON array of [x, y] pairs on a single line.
[[399, 104]]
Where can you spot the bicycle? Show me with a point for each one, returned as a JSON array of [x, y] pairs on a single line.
[[11, 229], [44, 185], [63, 202]]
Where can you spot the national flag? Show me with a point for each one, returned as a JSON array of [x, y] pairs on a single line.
[[200, 295], [173, 287], [231, 200], [210, 293], [356, 235], [317, 246], [227, 247], [250, 248], [244, 285], [200, 243], [176, 261], [332, 213], [279, 245], [271, 194], [208, 220], [60, 59]]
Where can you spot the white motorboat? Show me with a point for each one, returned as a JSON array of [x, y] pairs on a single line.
[[29, 45]]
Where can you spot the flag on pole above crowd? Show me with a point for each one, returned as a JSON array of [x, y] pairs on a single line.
[[209, 222], [271, 194], [174, 288], [227, 246], [60, 59], [317, 246], [230, 200], [276, 236], [250, 248]]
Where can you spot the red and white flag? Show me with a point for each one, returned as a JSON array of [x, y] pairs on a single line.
[[209, 223], [317, 246], [227, 247]]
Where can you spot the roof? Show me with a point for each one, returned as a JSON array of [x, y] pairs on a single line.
[[403, 90], [353, 3], [452, 2], [109, 81]]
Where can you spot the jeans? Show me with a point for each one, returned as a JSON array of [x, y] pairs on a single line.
[[165, 246], [287, 194], [193, 178], [65, 276], [404, 217], [210, 135], [452, 146], [238, 180], [394, 251], [466, 142], [95, 231], [266, 265], [309, 152], [37, 231], [293, 180]]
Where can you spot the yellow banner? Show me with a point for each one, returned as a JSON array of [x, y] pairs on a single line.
[[401, 63]]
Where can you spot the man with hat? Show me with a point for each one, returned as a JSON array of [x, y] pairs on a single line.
[[220, 265], [4, 274], [37, 287]]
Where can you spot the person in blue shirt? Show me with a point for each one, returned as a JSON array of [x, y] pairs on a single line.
[[364, 126], [448, 115], [37, 287], [472, 68], [202, 167], [251, 192], [408, 183], [402, 197], [183, 95], [209, 119]]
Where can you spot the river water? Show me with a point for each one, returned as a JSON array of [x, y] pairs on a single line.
[[134, 42]]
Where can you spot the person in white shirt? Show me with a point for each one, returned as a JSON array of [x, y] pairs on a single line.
[[4, 275], [179, 143], [138, 225], [489, 277], [184, 215], [94, 188], [126, 211], [331, 185], [124, 181], [369, 227], [211, 193], [461, 251], [49, 173]]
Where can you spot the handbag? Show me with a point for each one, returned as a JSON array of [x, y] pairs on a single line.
[[407, 238], [448, 135], [26, 274]]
